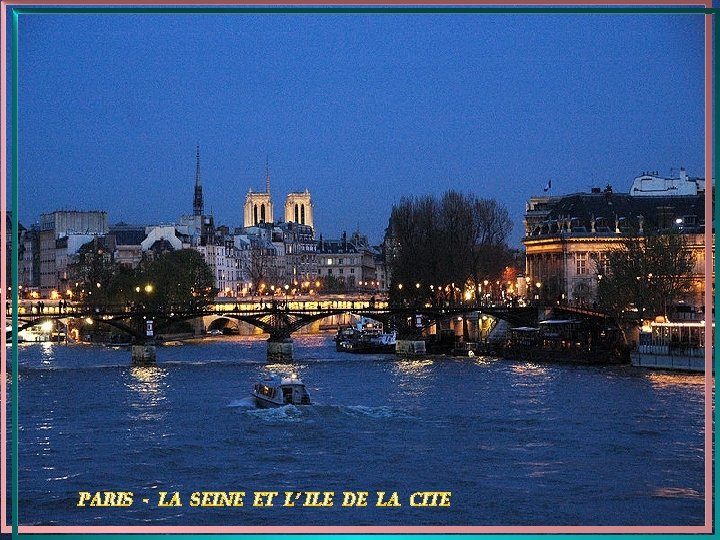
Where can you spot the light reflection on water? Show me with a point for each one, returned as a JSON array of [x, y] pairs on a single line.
[[661, 379], [147, 391], [529, 370], [47, 353], [412, 376]]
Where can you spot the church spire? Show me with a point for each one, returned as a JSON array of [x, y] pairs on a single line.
[[198, 199], [267, 176]]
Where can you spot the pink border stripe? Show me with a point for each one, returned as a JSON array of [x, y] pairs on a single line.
[[508, 3], [371, 529], [3, 293], [708, 269], [706, 529]]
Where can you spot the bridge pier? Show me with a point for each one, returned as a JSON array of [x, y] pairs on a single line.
[[280, 350]]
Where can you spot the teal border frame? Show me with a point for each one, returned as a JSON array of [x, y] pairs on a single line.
[[79, 9]]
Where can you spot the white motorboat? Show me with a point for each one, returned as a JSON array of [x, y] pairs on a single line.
[[280, 391]]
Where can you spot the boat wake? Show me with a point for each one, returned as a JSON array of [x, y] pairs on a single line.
[[244, 403], [374, 412], [284, 414]]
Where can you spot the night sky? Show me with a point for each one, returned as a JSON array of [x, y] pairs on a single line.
[[359, 109]]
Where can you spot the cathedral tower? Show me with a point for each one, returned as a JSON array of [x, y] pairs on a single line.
[[299, 209], [258, 206]]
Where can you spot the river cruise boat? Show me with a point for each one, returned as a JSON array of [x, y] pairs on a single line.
[[574, 341], [280, 391], [671, 345], [366, 336]]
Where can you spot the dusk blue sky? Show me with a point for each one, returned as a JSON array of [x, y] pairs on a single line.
[[359, 109]]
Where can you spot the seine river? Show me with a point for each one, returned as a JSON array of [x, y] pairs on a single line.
[[515, 443]]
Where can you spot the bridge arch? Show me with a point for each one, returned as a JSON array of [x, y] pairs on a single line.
[[26, 324]]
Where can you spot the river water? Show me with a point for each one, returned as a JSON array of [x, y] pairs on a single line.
[[515, 443]]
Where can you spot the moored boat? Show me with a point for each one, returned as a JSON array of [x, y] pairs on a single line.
[[367, 336], [571, 341], [280, 391], [672, 345]]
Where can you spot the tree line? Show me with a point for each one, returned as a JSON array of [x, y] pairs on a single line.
[[441, 247], [171, 279]]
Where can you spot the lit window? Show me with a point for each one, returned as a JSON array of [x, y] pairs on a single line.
[[581, 263], [602, 263]]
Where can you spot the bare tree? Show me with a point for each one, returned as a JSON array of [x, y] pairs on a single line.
[[457, 240], [262, 264], [647, 274]]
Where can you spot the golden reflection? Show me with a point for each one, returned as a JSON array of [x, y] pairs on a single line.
[[281, 370], [674, 492], [673, 380], [528, 369], [484, 361], [146, 382], [412, 368]]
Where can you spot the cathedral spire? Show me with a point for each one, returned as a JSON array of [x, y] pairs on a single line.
[[198, 199], [267, 176]]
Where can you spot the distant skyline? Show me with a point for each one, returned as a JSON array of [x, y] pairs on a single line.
[[360, 109]]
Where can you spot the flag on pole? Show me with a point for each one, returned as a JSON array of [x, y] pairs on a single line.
[[548, 186]]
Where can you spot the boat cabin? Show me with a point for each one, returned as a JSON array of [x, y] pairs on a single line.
[[279, 391], [673, 338]]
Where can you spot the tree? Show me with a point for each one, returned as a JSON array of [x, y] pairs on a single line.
[[451, 243], [649, 273], [177, 279], [262, 264], [93, 270]]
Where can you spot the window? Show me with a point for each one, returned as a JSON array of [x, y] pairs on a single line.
[[581, 263], [341, 271], [602, 263], [329, 261]]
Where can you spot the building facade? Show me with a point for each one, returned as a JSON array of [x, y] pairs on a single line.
[[348, 263], [567, 239], [61, 234]]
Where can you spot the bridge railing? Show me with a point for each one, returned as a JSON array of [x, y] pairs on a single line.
[[35, 309], [250, 305]]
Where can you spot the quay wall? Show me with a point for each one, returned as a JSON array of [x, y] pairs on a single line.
[[662, 361]]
